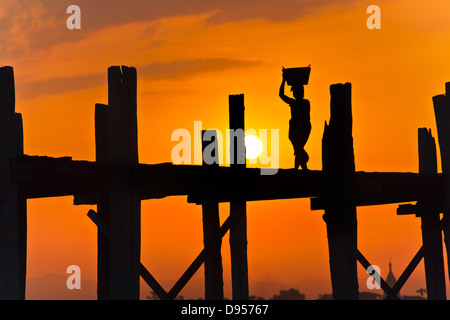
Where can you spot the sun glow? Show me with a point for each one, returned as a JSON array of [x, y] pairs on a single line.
[[253, 147]]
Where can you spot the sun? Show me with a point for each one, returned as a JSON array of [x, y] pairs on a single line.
[[253, 147]]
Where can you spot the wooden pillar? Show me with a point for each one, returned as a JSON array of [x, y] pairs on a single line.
[[101, 150], [238, 208], [442, 114], [13, 225], [119, 206], [211, 223], [433, 255], [340, 210]]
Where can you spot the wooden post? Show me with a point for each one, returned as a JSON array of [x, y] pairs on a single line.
[[442, 114], [433, 255], [340, 210], [211, 226], [103, 257], [238, 208], [13, 225], [119, 208]]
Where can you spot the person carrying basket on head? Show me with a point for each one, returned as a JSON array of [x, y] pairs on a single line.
[[300, 122]]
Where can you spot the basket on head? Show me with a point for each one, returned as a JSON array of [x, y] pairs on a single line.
[[297, 76]]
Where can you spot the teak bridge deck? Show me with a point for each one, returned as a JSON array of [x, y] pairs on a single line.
[[117, 183]]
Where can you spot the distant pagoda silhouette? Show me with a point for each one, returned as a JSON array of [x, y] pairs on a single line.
[[390, 279]]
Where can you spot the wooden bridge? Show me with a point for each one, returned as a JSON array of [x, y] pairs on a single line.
[[117, 183]]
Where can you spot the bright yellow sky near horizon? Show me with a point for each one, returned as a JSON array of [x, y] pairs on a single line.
[[187, 67]]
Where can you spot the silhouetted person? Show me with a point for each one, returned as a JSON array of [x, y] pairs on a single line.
[[300, 124]]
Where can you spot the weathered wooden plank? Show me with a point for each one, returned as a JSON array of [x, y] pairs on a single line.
[[340, 210], [42, 177], [433, 255], [103, 211], [53, 177], [21, 210], [211, 223], [12, 202], [441, 105], [371, 188], [442, 115], [122, 197], [7, 91], [238, 208], [377, 188], [286, 184]]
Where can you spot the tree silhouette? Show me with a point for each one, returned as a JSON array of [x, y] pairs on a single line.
[[325, 296], [253, 297], [364, 295], [291, 294], [152, 296], [421, 291]]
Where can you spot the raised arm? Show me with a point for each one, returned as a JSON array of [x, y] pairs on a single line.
[[282, 95]]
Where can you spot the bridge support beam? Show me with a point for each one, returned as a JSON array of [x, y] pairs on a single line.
[[340, 210], [120, 206], [433, 252], [441, 105], [238, 208], [211, 224], [13, 204]]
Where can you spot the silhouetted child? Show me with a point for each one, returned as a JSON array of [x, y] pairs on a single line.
[[300, 124]]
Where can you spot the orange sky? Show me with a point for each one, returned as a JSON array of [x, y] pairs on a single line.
[[189, 59]]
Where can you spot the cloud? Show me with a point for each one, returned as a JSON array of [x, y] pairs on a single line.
[[52, 59], [152, 71], [108, 12], [61, 85], [27, 25], [181, 69], [101, 13]]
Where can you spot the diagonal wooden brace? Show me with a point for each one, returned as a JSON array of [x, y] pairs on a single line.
[[145, 274], [418, 257], [386, 288], [187, 275]]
